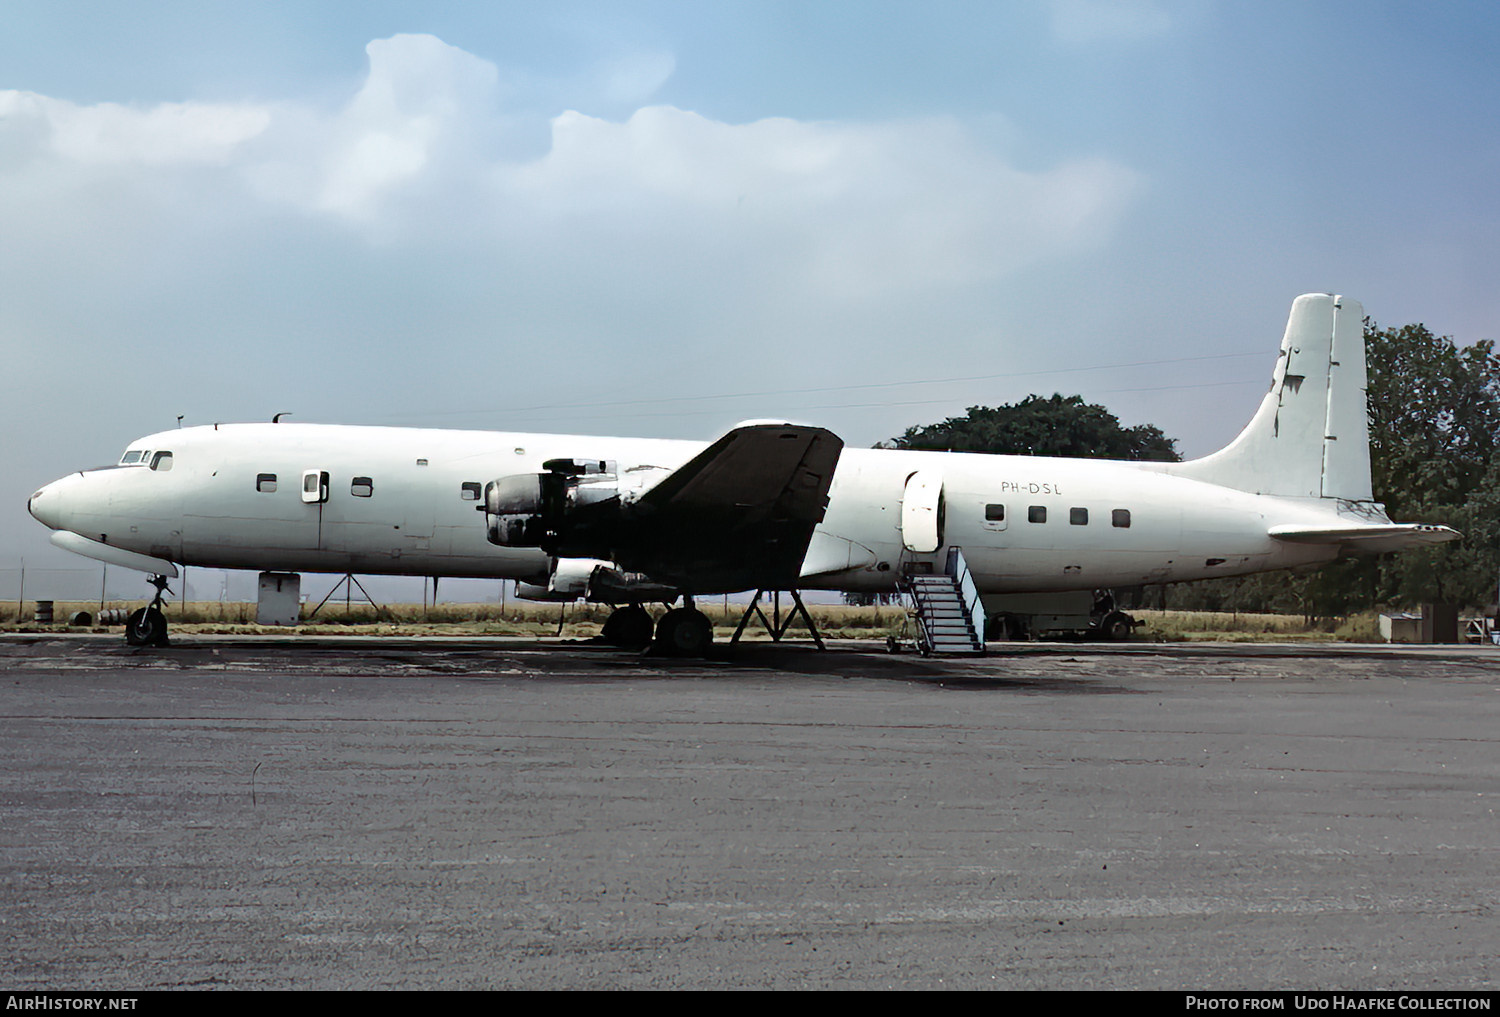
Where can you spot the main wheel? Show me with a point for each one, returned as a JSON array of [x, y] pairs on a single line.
[[146, 627], [1116, 627], [684, 632], [628, 628]]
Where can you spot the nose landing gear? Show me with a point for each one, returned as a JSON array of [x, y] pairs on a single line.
[[148, 625]]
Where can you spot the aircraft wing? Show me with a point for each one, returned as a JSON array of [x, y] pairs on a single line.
[[111, 555], [1372, 539], [740, 514]]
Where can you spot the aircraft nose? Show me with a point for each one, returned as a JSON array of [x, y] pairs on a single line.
[[46, 506]]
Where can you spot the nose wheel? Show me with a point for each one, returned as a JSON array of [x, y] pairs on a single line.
[[148, 625]]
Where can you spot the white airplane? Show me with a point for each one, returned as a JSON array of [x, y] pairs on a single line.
[[769, 506]]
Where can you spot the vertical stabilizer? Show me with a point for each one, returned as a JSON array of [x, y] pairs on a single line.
[[1310, 438]]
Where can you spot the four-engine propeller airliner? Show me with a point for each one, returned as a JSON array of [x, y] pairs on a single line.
[[770, 505]]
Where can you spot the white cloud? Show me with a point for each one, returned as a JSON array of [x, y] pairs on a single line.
[[109, 133], [392, 258], [413, 156], [213, 240]]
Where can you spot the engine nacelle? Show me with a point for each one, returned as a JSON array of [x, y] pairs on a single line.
[[538, 592], [571, 577], [568, 579], [524, 510], [591, 579], [574, 500]]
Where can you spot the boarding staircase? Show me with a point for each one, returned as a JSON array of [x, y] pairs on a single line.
[[950, 617]]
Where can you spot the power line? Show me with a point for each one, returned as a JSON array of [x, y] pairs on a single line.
[[657, 401], [883, 402]]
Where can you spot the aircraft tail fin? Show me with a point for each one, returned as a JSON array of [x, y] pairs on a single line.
[[1310, 438]]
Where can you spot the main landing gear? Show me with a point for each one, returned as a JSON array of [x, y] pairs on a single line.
[[628, 627], [682, 632], [687, 632], [148, 625]]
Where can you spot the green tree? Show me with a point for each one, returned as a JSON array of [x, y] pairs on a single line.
[[1434, 435], [1052, 426], [1434, 413], [1434, 417]]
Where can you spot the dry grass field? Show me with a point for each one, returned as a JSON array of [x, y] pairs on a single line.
[[1241, 627], [584, 620], [514, 619]]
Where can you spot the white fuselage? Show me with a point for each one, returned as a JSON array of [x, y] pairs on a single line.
[[404, 501]]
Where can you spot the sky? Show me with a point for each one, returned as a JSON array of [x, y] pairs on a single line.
[[661, 218]]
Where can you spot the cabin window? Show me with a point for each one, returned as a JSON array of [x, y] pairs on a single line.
[[1036, 514], [994, 513], [265, 483], [1078, 516], [469, 491], [1120, 518], [421, 462], [362, 487], [161, 461]]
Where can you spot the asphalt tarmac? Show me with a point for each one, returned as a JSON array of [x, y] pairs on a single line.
[[384, 813]]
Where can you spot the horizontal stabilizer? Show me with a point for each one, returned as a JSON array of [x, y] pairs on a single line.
[[1372, 538]]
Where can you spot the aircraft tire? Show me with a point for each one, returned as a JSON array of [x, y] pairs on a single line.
[[684, 632], [146, 627], [1116, 627], [628, 628]]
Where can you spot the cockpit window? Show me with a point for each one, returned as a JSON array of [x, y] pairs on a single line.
[[161, 461], [133, 456]]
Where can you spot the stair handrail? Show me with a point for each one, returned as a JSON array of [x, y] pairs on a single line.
[[958, 568]]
